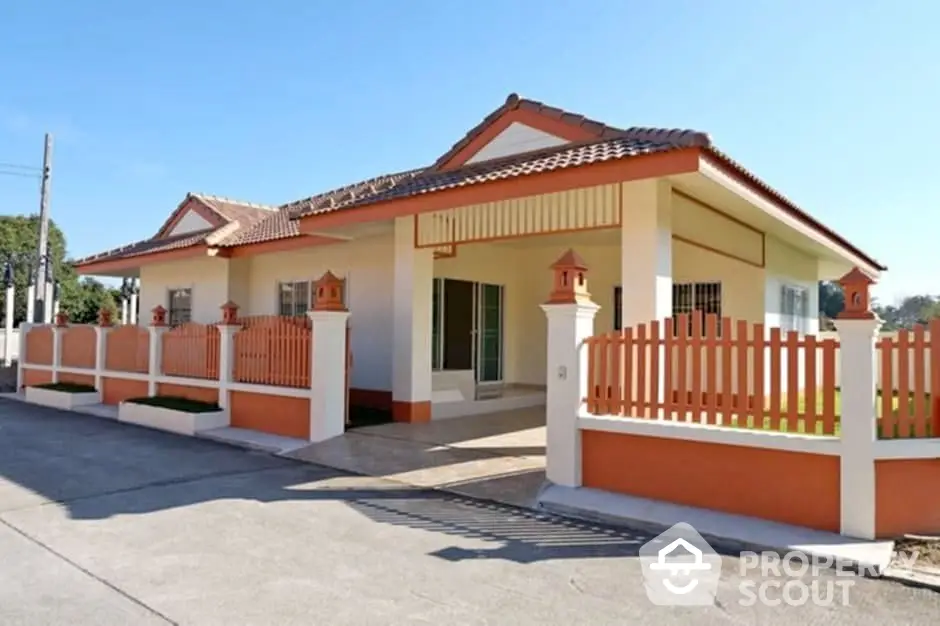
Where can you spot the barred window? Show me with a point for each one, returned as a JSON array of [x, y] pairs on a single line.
[[293, 298], [689, 298], [794, 309], [181, 306]]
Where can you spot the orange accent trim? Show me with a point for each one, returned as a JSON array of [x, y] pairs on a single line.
[[789, 487], [117, 390], [371, 399], [209, 395], [133, 262], [523, 116], [728, 255], [900, 505], [412, 412], [278, 415], [190, 203], [278, 245], [622, 170]]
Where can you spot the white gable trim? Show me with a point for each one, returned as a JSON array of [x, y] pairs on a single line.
[[514, 139], [190, 223]]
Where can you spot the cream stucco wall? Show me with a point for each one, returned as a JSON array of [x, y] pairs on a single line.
[[749, 292]]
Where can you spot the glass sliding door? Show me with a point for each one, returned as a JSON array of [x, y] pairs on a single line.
[[489, 327]]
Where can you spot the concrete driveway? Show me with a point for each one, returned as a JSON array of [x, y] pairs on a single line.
[[102, 523]]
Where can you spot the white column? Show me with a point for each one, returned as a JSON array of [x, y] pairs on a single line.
[[646, 252], [156, 358], [57, 332], [124, 310], [328, 374], [24, 329], [8, 326], [132, 309], [411, 351], [48, 313], [857, 356], [101, 347], [568, 326], [30, 303], [226, 360]]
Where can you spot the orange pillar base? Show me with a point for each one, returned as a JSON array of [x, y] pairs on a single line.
[[411, 412]]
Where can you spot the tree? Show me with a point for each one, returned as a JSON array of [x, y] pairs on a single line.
[[19, 237], [831, 299]]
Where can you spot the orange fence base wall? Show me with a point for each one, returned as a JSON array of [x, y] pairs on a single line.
[[906, 497], [789, 487], [77, 379], [196, 394], [277, 415], [36, 377], [117, 390]]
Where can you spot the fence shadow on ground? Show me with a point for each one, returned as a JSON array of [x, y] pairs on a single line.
[[95, 469]]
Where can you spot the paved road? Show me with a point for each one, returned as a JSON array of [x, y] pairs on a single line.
[[102, 523]]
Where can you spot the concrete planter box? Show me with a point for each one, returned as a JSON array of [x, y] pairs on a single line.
[[61, 399], [171, 420]]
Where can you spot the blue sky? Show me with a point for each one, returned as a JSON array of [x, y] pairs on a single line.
[[833, 103]]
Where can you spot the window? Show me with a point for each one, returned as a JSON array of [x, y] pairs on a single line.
[[181, 304], [794, 308], [293, 298], [701, 298]]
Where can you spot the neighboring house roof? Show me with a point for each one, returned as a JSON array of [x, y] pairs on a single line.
[[226, 217], [238, 223]]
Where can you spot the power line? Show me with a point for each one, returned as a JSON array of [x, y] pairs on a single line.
[[35, 176], [16, 166]]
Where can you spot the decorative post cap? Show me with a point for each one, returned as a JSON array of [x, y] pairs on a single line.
[[856, 287], [62, 318], [329, 296], [104, 317], [229, 313], [570, 280], [159, 316]]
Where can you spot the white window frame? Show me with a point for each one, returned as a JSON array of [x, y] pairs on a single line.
[[713, 284], [794, 308], [311, 292]]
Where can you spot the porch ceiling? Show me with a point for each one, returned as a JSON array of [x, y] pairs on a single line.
[[835, 260]]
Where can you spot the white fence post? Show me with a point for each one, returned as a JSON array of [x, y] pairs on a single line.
[[8, 325], [570, 314], [101, 345], [58, 330], [858, 328], [227, 330], [328, 360], [157, 328]]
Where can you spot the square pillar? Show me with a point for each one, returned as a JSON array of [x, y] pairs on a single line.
[[646, 252], [328, 360], [411, 333], [570, 314], [158, 326]]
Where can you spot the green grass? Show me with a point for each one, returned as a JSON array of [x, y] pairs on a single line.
[[177, 404], [67, 387], [764, 422]]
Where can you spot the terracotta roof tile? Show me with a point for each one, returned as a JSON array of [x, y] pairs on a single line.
[[540, 161], [148, 246]]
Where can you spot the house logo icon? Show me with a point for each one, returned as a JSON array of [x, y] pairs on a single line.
[[680, 568]]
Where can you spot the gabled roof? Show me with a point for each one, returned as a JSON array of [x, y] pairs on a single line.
[[235, 223]]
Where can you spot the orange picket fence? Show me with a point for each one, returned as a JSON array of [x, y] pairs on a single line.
[[39, 346], [191, 351], [127, 349], [910, 371], [78, 345], [273, 350], [715, 371]]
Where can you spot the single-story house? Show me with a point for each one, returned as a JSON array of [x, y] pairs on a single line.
[[445, 266]]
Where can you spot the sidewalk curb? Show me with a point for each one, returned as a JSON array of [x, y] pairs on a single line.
[[913, 578]]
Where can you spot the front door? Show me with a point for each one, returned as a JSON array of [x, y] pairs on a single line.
[[458, 324]]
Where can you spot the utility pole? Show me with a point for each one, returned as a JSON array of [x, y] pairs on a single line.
[[42, 293]]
